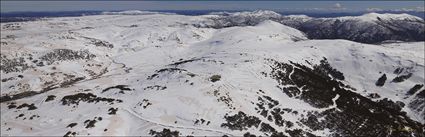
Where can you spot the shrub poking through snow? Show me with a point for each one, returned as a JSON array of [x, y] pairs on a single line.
[[50, 98], [164, 133], [215, 78], [381, 81]]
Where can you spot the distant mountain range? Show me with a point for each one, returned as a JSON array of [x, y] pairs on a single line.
[[367, 28], [27, 16]]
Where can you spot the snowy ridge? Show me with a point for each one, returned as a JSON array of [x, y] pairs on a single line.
[[259, 13], [386, 16], [135, 12], [156, 74]]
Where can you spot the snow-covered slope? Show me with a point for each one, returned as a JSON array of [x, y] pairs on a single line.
[[158, 74]]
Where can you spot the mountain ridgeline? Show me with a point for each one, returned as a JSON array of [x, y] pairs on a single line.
[[369, 28]]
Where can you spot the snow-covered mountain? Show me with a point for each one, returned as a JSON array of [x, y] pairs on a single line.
[[368, 28], [160, 74]]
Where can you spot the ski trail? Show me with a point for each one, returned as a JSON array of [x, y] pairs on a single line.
[[178, 127]]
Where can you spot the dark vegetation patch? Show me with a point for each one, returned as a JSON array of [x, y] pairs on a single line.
[[421, 94], [65, 55], [34, 116], [225, 98], [266, 107], [24, 118], [12, 26], [17, 96], [418, 103], [3, 43], [381, 81], [278, 119], [69, 133], [191, 75], [72, 79], [312, 121], [11, 105], [213, 61], [382, 118], [120, 87], [99, 43], [164, 133], [240, 121], [20, 115], [86, 97], [299, 133], [215, 78], [181, 61], [278, 134], [391, 106], [152, 76], [374, 95], [8, 79], [402, 78], [414, 89], [325, 68], [266, 128], [87, 28], [247, 134], [170, 70], [201, 121], [398, 70], [112, 111], [13, 65], [91, 123], [72, 125], [313, 81], [264, 104], [30, 107], [50, 98], [145, 103], [156, 87]]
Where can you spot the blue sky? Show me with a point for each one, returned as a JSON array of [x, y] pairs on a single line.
[[11, 6]]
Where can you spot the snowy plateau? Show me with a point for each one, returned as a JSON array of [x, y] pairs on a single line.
[[138, 73]]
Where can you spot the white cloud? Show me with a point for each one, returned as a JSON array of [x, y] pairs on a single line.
[[420, 8], [338, 6], [417, 9], [409, 9], [374, 9]]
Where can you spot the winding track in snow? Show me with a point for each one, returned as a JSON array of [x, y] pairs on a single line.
[[179, 127]]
